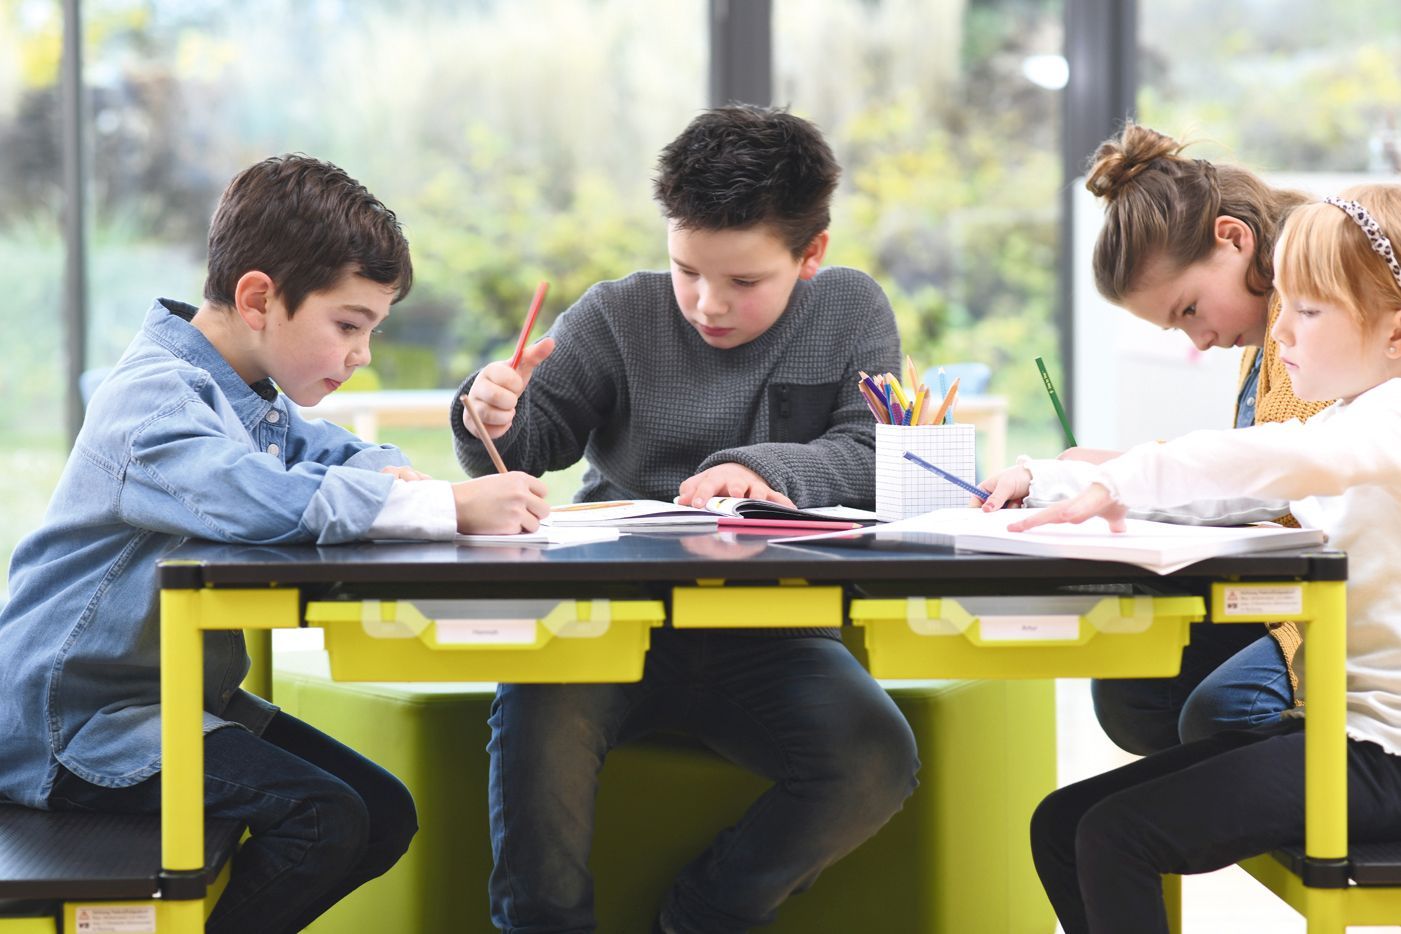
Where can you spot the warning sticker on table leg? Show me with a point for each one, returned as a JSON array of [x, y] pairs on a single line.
[[115, 919], [1285, 599]]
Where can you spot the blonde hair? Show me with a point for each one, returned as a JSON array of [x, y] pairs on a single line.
[[1325, 256], [1163, 205]]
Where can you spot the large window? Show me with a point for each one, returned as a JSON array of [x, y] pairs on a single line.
[[515, 140], [33, 442], [946, 117], [1279, 85]]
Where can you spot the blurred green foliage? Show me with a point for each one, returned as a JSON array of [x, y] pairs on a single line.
[[1279, 85]]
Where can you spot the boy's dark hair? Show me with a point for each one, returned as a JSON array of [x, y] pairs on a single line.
[[737, 166], [303, 222]]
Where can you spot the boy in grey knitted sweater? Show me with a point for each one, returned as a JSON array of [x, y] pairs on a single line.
[[734, 375]]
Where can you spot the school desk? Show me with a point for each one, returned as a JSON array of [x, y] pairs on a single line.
[[920, 609]]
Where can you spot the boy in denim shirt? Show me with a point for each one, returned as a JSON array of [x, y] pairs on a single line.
[[189, 437], [735, 375]]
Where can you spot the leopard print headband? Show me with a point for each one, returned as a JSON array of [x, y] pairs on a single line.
[[1380, 244]]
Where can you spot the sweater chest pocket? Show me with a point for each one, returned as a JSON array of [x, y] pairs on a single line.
[[800, 412]]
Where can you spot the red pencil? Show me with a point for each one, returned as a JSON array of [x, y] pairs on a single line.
[[535, 304]]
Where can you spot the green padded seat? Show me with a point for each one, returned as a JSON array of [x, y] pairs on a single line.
[[955, 860]]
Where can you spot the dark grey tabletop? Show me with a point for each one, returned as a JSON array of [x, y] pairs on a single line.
[[666, 558]]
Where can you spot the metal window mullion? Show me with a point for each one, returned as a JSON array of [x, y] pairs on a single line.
[[741, 52], [1101, 48], [75, 297]]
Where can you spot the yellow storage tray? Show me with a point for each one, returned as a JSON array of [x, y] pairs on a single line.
[[792, 604], [1060, 636], [520, 641]]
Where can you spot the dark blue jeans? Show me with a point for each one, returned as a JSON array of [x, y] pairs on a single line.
[[1101, 845], [323, 818], [1232, 678], [797, 710]]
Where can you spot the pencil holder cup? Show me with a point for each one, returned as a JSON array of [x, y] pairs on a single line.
[[904, 488]]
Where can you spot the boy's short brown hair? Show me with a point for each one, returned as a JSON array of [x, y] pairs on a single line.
[[737, 166], [304, 223]]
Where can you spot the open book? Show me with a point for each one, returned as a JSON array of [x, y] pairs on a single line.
[[1158, 546], [719, 510]]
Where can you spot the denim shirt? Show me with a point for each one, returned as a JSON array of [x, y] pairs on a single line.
[[1245, 401], [175, 446]]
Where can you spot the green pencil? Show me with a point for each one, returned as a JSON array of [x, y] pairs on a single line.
[[1055, 401]]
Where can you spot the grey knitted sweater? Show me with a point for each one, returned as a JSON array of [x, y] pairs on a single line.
[[634, 389]]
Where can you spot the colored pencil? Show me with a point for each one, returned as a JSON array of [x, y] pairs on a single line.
[[911, 374], [948, 401], [1055, 402], [481, 433], [956, 481], [535, 304], [871, 402]]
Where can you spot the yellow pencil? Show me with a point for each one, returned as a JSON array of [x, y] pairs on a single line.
[[920, 396], [895, 389]]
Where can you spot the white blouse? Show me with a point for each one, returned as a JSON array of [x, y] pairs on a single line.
[[1340, 472]]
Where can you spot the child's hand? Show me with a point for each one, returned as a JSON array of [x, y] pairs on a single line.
[[1089, 455], [1095, 501], [1006, 488], [405, 473], [501, 504], [498, 388], [727, 480]]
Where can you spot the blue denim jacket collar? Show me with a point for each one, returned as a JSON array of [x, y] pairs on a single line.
[[169, 323]]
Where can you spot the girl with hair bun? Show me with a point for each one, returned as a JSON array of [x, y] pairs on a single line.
[[1187, 245]]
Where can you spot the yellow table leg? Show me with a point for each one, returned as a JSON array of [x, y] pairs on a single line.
[[182, 750], [1325, 911], [1172, 901], [1325, 738], [185, 614]]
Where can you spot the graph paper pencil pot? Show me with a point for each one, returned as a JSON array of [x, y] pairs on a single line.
[[903, 488]]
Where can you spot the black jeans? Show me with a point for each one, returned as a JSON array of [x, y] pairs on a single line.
[[798, 710], [323, 818], [1102, 845]]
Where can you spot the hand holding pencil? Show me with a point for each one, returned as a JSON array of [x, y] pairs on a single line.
[[499, 385], [508, 502]]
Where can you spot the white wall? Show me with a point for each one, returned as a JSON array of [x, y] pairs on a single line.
[[1133, 381]]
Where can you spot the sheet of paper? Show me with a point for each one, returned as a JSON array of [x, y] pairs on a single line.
[[1157, 546], [939, 521], [624, 513], [553, 536], [844, 512]]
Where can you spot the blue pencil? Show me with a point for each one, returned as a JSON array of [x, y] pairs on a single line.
[[943, 394], [981, 494]]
